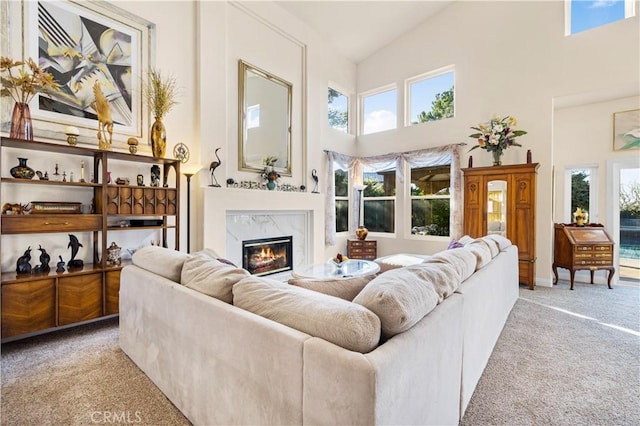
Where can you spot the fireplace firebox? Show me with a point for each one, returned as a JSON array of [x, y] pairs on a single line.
[[267, 256]]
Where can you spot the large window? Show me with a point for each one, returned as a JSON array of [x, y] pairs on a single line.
[[583, 15], [338, 110], [379, 110], [430, 200], [379, 200], [430, 97], [342, 200]]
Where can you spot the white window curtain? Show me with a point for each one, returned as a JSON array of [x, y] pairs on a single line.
[[419, 158]]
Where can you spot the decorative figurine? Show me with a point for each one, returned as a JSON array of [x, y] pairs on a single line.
[[44, 262], [17, 208], [113, 255], [23, 266], [72, 135], [155, 175], [60, 265], [314, 176], [212, 168], [105, 122], [75, 245], [140, 180], [133, 145], [56, 174]]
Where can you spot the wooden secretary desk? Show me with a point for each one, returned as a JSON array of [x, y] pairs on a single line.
[[502, 199], [587, 247]]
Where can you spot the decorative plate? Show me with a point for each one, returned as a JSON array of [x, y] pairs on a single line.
[[181, 152]]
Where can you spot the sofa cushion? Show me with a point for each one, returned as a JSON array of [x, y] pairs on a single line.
[[400, 298], [344, 288], [463, 261], [343, 323], [210, 276], [161, 261], [399, 260], [493, 246], [481, 252], [212, 253], [501, 241]]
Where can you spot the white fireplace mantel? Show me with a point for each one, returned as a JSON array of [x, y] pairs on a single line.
[[222, 203]]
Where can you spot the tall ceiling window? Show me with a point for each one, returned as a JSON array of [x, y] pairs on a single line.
[[338, 110], [430, 97], [583, 15], [379, 110]]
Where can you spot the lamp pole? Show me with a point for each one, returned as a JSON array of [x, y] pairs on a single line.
[[188, 175]]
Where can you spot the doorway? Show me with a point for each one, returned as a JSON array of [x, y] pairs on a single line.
[[624, 189]]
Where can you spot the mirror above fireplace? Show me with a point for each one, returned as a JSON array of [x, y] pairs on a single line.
[[264, 114]]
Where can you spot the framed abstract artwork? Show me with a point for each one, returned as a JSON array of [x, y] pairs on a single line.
[[626, 130], [84, 44]]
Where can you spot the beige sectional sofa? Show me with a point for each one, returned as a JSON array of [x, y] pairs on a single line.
[[282, 354]]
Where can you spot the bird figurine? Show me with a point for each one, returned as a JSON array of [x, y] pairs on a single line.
[[212, 168], [44, 262], [105, 122], [75, 245], [23, 266], [60, 265], [314, 176]]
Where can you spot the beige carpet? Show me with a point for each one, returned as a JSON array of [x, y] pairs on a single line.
[[564, 358]]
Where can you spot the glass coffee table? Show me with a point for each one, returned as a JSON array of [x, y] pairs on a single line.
[[350, 268]]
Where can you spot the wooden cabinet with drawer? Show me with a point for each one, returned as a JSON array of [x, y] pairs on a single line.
[[362, 249], [582, 248]]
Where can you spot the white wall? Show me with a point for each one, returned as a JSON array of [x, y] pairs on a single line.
[[510, 58]]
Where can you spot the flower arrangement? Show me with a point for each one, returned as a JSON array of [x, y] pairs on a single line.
[[268, 173], [580, 217], [497, 135], [160, 92], [22, 85]]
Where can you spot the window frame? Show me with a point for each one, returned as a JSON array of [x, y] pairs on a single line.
[[629, 12], [393, 198], [373, 92], [421, 77], [339, 89], [567, 214], [346, 198], [409, 207]]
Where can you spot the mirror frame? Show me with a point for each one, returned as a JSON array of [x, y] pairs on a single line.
[[243, 69]]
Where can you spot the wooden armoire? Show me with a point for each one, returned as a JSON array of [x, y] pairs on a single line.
[[502, 199]]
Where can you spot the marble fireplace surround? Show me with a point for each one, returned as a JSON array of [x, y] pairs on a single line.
[[233, 215]]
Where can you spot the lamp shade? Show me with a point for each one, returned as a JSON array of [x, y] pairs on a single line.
[[190, 169]]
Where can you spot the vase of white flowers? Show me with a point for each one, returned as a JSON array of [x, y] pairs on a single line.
[[269, 173], [496, 136]]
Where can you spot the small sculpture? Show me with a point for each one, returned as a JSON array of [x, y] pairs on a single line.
[[23, 266], [16, 208], [75, 245], [314, 176], [140, 180], [60, 265], [44, 262], [212, 168], [105, 122], [155, 175]]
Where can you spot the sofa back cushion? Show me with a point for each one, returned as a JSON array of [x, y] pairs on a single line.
[[463, 261], [210, 276], [344, 288], [501, 241], [335, 320], [400, 298], [161, 261], [481, 251]]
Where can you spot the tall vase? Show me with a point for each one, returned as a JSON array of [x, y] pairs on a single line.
[[158, 138], [21, 125], [497, 158]]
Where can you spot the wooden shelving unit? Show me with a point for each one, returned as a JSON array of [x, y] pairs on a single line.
[[38, 302]]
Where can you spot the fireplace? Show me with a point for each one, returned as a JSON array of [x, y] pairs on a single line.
[[267, 255]]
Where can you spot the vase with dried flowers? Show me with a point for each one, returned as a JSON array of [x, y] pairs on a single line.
[[496, 136], [160, 91], [269, 173], [22, 85]]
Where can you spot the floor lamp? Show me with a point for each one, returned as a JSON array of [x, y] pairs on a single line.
[[189, 170], [361, 231]]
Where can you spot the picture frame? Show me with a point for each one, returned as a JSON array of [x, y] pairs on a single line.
[[81, 43], [626, 130]]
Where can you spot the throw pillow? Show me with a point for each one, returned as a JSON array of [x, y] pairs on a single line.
[[400, 298], [454, 244], [344, 288], [343, 323], [210, 276], [161, 261]]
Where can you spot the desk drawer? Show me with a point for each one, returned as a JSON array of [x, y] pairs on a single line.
[[28, 224]]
